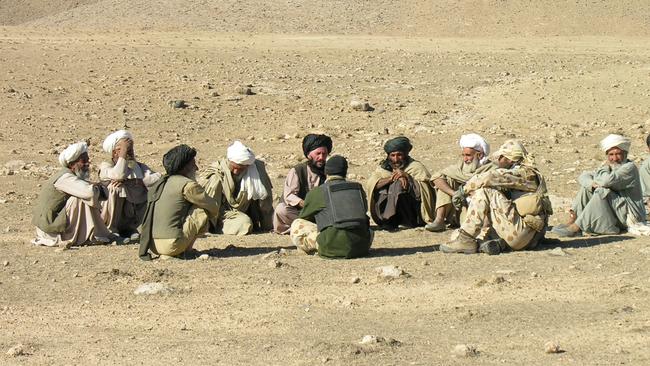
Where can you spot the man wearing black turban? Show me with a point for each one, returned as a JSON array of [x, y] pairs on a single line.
[[177, 207], [399, 191], [301, 179]]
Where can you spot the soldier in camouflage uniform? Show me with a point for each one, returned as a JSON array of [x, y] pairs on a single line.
[[492, 201]]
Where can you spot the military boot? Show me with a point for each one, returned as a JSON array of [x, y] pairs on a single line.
[[464, 243], [493, 246]]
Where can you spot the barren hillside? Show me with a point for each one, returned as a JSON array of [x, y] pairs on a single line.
[[467, 18]]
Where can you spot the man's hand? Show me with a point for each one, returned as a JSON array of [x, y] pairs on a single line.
[[123, 146], [115, 184], [402, 176], [458, 199]]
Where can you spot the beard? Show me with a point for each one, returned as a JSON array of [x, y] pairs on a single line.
[[398, 165], [471, 166], [82, 173], [314, 165]]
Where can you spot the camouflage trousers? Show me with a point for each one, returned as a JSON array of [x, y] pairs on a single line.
[[303, 235], [489, 206]]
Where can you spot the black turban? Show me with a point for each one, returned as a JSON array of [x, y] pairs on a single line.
[[400, 143], [313, 141], [336, 165], [176, 158]]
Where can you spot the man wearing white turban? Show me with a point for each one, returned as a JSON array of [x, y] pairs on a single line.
[[610, 198], [511, 201], [449, 182], [127, 181], [241, 186], [68, 209]]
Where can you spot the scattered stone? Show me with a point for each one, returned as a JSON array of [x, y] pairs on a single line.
[[244, 90], [178, 104], [558, 252], [153, 288], [204, 257], [497, 280], [5, 263], [552, 347], [355, 280], [276, 263], [505, 272], [369, 339], [360, 106], [214, 93], [391, 272], [464, 350], [425, 263], [534, 274], [234, 98], [15, 165], [376, 340], [15, 351]]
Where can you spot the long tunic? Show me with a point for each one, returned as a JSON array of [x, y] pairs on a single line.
[[333, 242], [288, 210], [420, 176], [237, 214], [84, 222], [605, 210], [124, 209]]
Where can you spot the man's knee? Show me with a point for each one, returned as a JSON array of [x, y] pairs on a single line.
[[239, 224]]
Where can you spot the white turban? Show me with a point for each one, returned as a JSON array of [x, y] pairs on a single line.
[[614, 140], [112, 139], [251, 183], [72, 153], [476, 142], [240, 154]]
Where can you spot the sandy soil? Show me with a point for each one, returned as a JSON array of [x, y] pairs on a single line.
[[62, 80]]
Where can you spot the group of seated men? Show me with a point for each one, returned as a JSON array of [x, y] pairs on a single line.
[[498, 202]]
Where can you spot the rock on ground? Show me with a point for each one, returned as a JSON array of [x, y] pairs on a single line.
[[153, 288]]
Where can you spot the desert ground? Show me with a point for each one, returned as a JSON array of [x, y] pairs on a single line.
[[558, 75]]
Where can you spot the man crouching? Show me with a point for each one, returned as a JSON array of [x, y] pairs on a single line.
[[512, 200], [338, 208], [178, 209], [68, 208]]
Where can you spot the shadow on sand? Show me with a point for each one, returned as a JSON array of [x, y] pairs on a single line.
[[236, 251], [581, 242]]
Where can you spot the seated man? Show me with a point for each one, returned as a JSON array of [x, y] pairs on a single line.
[[242, 188], [178, 209], [449, 181], [610, 198], [301, 179], [400, 191], [68, 209], [511, 200], [644, 174], [338, 208], [127, 181]]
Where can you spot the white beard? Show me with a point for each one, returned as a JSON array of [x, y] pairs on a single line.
[[82, 174]]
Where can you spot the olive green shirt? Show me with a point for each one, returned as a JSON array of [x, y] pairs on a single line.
[[333, 242]]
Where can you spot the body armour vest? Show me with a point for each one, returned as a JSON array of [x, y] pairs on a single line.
[[345, 206]]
